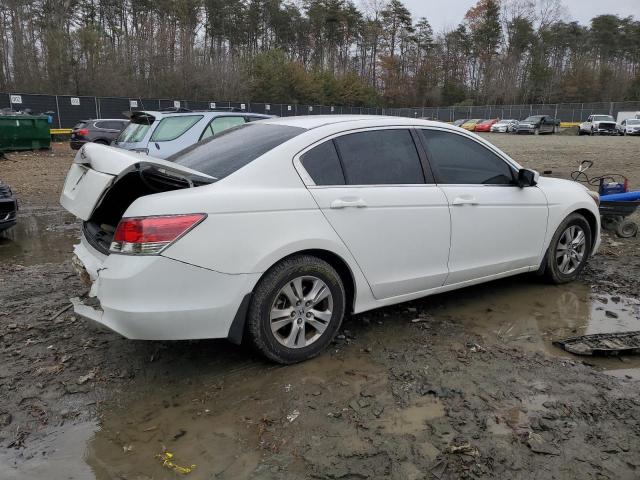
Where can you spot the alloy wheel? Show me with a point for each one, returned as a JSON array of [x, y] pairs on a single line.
[[301, 312], [571, 249]]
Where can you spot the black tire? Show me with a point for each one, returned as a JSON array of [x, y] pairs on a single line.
[[552, 271], [627, 228], [536, 131], [266, 293]]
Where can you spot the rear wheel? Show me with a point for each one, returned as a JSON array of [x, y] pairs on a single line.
[[296, 309], [569, 250]]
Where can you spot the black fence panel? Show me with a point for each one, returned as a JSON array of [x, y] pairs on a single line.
[[40, 104], [166, 104], [114, 107], [68, 110], [260, 108], [149, 104], [4, 100], [73, 109], [196, 105]]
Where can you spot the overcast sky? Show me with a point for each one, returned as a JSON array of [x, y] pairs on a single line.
[[449, 13]]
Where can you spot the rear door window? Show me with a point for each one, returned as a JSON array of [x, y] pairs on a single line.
[[459, 160], [323, 164], [220, 124], [171, 128], [380, 157], [134, 132]]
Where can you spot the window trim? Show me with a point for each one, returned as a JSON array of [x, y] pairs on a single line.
[[221, 116], [151, 139], [429, 180], [510, 163]]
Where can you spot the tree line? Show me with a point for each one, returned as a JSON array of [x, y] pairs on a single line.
[[332, 52]]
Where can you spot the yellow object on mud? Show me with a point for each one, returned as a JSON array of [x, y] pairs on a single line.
[[166, 458]]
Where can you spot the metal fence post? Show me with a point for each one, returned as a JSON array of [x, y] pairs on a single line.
[[58, 113]]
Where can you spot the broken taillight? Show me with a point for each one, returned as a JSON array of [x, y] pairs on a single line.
[[150, 235]]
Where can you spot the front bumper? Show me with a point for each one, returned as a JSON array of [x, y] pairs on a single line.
[[157, 298]]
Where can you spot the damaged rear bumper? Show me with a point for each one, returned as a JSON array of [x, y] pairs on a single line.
[[157, 298]]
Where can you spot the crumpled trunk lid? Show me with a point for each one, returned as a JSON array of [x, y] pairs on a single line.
[[97, 168]]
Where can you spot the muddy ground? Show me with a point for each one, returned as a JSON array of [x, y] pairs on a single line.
[[461, 385]]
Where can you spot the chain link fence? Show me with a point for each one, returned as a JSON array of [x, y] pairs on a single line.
[[68, 110]]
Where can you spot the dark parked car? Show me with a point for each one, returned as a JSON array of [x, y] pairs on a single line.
[[102, 130], [537, 124], [8, 207]]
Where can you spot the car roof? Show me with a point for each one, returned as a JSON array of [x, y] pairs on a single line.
[[207, 113], [309, 122]]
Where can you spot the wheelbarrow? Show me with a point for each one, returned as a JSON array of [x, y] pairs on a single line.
[[616, 201], [614, 213]]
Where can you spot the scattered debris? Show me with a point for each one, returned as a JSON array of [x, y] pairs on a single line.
[[293, 415], [622, 343], [85, 378], [464, 449], [537, 444], [167, 462]]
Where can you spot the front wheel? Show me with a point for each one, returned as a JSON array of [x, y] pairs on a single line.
[[569, 250], [536, 131], [296, 309]]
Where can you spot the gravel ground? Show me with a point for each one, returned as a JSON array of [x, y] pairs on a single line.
[[460, 385]]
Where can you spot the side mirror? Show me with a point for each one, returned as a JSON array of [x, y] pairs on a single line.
[[527, 178]]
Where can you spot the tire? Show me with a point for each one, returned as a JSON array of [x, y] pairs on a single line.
[[579, 132], [555, 269], [626, 228], [303, 272], [536, 131]]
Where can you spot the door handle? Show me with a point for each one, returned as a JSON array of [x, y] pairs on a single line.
[[465, 200], [348, 203]]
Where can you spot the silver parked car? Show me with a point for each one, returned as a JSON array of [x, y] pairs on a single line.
[[161, 134], [504, 126]]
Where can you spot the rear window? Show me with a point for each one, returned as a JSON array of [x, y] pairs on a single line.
[[171, 128], [223, 154], [134, 132], [79, 125]]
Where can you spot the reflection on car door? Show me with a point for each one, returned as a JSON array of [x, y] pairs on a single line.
[[496, 227], [373, 189]]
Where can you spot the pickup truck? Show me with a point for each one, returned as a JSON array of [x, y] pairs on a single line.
[[537, 124], [598, 125]]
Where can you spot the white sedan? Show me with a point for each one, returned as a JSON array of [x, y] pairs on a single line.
[[272, 231]]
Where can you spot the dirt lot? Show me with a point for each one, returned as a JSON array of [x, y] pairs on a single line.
[[460, 385]]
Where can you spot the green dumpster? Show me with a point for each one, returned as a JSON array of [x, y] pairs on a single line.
[[24, 132]]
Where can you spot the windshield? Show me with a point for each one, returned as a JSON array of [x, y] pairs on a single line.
[[633, 121], [534, 118], [134, 132], [226, 152], [602, 118]]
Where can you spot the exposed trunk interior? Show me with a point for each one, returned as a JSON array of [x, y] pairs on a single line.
[[142, 181]]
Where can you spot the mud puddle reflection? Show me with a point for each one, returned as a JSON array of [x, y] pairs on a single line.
[[529, 316], [40, 236]]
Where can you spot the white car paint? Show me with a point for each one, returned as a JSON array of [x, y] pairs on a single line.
[[399, 242]]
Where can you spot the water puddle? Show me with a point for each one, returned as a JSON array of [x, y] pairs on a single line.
[[40, 236], [529, 316], [60, 454]]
